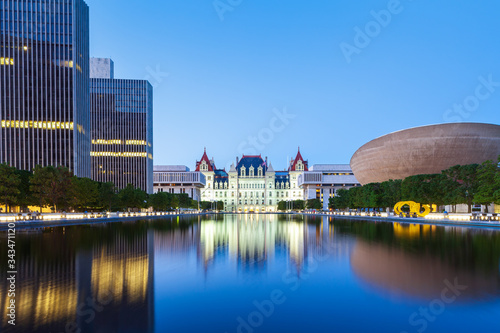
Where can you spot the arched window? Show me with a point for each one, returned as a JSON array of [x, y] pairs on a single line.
[[251, 171]]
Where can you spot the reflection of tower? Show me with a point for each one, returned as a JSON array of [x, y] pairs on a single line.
[[92, 283], [253, 240], [45, 286], [122, 281]]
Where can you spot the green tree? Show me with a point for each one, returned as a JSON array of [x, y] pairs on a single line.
[[131, 197], [184, 200], [298, 204], [340, 200], [282, 206], [314, 204], [51, 186], [9, 183], [466, 183], [496, 195], [424, 189], [391, 193], [107, 195], [174, 203], [160, 201], [485, 193], [356, 197], [25, 197], [85, 192]]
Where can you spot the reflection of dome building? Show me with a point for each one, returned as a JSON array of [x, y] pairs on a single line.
[[401, 272], [425, 150]]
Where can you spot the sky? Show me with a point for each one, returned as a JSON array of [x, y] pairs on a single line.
[[265, 77]]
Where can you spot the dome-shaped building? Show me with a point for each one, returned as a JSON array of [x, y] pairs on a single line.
[[425, 150]]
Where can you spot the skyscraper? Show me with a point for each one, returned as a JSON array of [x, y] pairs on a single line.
[[44, 80], [122, 128]]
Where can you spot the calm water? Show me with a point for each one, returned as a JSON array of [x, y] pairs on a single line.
[[255, 274]]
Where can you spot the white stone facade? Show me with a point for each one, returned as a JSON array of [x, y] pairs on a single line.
[[251, 185]]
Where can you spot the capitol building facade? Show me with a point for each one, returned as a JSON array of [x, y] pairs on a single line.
[[252, 184]]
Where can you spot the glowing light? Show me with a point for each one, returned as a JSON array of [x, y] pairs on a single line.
[[136, 142], [117, 154], [106, 142], [6, 61], [46, 125]]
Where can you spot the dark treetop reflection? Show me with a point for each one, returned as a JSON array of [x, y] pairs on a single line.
[[212, 274]]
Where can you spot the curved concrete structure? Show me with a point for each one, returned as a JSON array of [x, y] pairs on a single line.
[[425, 150]]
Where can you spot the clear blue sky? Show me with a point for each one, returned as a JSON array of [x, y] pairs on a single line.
[[225, 77]]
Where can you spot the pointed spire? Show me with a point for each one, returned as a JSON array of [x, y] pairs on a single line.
[[205, 150]]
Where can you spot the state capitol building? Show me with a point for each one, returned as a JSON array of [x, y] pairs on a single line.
[[252, 184]]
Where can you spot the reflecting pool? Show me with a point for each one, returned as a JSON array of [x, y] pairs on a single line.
[[254, 273]]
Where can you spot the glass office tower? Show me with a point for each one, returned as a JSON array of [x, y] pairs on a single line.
[[44, 79], [121, 114]]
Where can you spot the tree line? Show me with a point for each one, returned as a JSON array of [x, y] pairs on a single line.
[[460, 184], [59, 189], [300, 205]]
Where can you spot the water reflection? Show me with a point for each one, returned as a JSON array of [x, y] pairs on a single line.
[[416, 260], [102, 278], [94, 278]]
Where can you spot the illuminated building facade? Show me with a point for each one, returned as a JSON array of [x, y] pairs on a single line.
[[251, 185], [121, 113], [44, 80]]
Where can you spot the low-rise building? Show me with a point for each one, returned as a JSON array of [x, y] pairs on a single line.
[[322, 181], [178, 179]]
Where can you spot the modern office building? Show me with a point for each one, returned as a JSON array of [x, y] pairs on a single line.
[[322, 181], [44, 80], [121, 114], [178, 179]]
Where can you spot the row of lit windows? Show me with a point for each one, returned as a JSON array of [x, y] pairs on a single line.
[[7, 61], [245, 194], [119, 142], [106, 142], [50, 125], [120, 154], [136, 142]]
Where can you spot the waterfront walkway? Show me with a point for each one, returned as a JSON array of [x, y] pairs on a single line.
[[27, 221], [466, 220]]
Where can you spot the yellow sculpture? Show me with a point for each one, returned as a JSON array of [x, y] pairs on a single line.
[[415, 208]]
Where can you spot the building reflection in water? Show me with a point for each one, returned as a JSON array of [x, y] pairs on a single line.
[[101, 278], [251, 240], [67, 281], [402, 266]]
